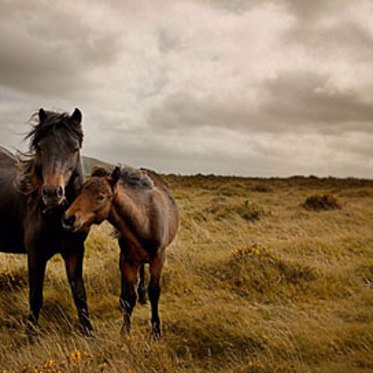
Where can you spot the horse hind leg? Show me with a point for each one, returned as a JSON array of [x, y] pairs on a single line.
[[154, 292], [141, 289]]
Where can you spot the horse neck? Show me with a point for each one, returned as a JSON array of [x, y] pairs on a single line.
[[75, 181]]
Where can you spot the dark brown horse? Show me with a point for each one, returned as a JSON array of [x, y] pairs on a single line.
[[140, 206], [34, 193]]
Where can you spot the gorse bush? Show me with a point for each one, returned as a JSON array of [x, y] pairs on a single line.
[[221, 209], [257, 272], [320, 202]]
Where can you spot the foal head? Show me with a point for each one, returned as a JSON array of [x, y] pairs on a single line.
[[56, 141], [93, 202]]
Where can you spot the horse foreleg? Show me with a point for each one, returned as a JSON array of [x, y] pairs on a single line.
[[74, 271], [141, 289], [128, 295], [154, 292], [36, 271]]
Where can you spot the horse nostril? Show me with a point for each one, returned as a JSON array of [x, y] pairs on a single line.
[[44, 191], [69, 221], [59, 191]]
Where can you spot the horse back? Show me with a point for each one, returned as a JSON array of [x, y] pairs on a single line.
[[167, 211]]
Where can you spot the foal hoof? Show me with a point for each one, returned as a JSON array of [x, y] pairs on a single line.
[[126, 329], [32, 331], [86, 331], [142, 299], [124, 332]]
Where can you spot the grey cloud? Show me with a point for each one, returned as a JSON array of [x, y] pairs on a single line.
[[303, 10], [168, 41], [305, 98], [46, 49], [347, 39], [234, 6], [292, 102], [236, 86], [310, 11]]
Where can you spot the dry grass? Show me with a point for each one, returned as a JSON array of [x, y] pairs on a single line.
[[253, 283]]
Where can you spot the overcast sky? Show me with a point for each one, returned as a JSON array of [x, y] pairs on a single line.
[[255, 88]]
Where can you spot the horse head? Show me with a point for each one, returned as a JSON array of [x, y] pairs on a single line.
[[56, 140]]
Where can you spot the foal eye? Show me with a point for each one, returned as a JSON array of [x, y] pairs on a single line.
[[101, 197]]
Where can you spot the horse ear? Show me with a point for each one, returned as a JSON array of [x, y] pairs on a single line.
[[115, 175], [42, 115], [76, 116]]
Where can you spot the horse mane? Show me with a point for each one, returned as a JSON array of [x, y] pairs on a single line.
[[27, 179], [133, 177]]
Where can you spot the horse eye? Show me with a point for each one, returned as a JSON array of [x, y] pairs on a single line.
[[101, 197]]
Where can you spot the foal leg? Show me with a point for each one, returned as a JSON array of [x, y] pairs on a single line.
[[36, 270], [128, 295], [154, 292], [74, 271], [141, 289]]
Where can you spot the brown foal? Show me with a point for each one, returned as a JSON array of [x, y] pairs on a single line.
[[139, 204]]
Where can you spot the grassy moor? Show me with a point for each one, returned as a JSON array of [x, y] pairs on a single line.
[[265, 275]]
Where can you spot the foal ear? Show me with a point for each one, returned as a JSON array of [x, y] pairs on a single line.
[[42, 115], [76, 116], [115, 175]]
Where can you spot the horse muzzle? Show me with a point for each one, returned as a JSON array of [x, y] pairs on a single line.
[[53, 195]]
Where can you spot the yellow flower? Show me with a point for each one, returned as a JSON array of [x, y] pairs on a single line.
[[50, 363], [76, 355]]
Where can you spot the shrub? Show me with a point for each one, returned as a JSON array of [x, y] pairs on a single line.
[[257, 272], [261, 188], [321, 202], [222, 209]]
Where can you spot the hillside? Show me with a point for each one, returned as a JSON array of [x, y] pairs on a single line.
[[89, 162], [254, 282]]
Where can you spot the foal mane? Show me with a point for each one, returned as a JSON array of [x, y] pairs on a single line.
[[28, 177], [133, 177]]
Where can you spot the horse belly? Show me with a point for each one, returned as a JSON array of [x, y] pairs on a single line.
[[11, 229], [11, 236]]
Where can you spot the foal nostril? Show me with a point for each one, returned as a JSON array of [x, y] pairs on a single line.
[[69, 221], [59, 191]]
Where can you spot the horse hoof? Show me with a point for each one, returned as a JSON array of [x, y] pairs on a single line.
[[156, 333]]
